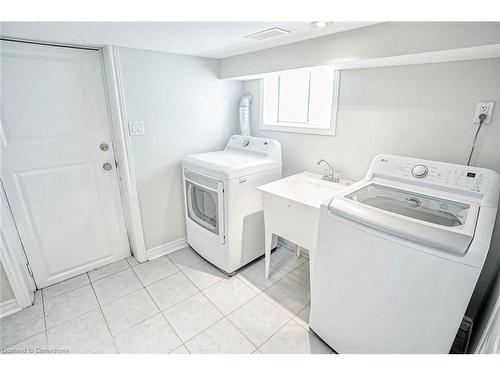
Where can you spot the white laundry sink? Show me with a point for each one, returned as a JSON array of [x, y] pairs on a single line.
[[306, 188], [292, 209]]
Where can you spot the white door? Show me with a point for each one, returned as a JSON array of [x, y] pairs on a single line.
[[63, 193]]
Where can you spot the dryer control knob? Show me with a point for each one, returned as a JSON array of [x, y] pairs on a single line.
[[419, 171]]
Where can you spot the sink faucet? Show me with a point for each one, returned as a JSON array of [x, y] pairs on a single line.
[[329, 176]]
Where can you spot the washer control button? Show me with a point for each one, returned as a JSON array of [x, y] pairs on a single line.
[[419, 171]]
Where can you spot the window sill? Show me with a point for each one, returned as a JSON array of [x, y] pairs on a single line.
[[294, 128]]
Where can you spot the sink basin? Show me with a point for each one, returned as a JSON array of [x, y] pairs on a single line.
[[306, 188], [317, 179]]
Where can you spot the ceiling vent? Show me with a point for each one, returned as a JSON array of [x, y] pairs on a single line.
[[266, 34]]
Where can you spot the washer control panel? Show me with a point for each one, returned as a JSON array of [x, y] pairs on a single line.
[[451, 175]]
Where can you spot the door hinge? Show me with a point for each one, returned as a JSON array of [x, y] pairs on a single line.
[[116, 164], [29, 269]]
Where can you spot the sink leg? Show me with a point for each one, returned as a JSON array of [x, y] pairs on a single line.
[[269, 245], [297, 251]]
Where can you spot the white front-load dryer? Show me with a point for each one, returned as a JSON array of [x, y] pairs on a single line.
[[224, 218]]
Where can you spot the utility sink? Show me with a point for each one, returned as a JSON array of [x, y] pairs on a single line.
[[292, 209], [306, 188]]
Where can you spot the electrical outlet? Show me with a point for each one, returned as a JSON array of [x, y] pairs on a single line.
[[486, 108]]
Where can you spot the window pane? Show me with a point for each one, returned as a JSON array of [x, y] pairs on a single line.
[[293, 95], [270, 86], [321, 96]]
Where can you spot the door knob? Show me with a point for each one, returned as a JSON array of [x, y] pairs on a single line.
[[104, 147], [107, 166]]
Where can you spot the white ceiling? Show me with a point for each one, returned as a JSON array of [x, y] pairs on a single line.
[[208, 39]]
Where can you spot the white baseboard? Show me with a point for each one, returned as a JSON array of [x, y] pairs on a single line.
[[166, 248], [9, 307], [291, 246]]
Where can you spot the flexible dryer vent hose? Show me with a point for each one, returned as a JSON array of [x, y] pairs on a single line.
[[245, 102]]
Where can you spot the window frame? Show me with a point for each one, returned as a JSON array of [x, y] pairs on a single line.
[[303, 128]]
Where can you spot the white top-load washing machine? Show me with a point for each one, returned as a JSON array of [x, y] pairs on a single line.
[[399, 254], [224, 218]]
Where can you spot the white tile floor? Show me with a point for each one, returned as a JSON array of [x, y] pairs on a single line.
[[177, 304]]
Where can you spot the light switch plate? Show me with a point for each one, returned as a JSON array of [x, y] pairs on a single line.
[[136, 127]]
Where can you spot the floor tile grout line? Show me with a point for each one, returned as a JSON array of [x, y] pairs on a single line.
[[199, 261], [270, 337], [44, 323], [44, 320], [142, 284], [131, 255], [65, 292], [227, 316], [224, 316], [125, 295], [160, 311], [175, 304], [82, 313], [88, 279], [146, 285], [105, 321], [177, 347], [293, 269], [199, 333], [116, 299], [31, 336], [279, 308], [258, 291], [240, 331], [290, 317], [290, 320], [201, 291], [158, 307], [111, 274], [79, 314]]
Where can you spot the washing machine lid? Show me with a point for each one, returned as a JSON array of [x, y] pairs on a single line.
[[229, 164], [427, 219]]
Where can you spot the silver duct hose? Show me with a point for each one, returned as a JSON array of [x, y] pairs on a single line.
[[245, 102]]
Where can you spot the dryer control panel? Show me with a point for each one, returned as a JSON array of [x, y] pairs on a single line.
[[267, 147]]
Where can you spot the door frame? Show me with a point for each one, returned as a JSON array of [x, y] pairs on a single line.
[[15, 263], [110, 57], [13, 258]]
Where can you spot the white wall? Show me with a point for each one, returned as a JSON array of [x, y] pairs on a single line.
[[186, 109], [423, 111], [377, 41], [5, 288]]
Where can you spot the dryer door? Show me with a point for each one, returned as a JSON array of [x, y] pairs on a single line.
[[205, 203]]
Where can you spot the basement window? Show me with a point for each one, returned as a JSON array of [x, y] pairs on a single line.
[[301, 101]]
